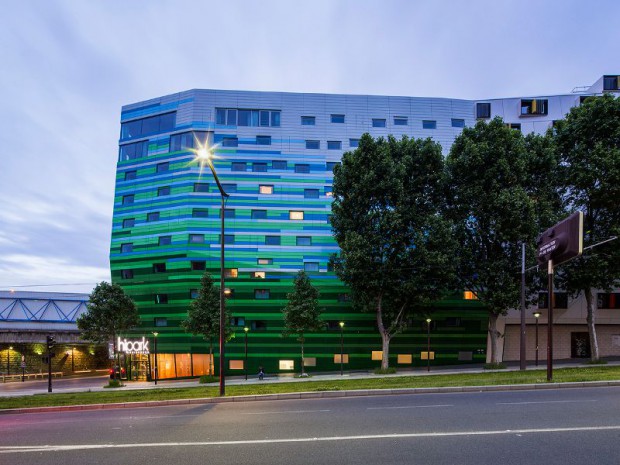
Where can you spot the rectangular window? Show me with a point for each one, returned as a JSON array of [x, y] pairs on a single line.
[[196, 238], [237, 321], [334, 145], [187, 140], [230, 142], [308, 120], [458, 123], [344, 298], [275, 119], [337, 118], [354, 143], [483, 110], [330, 165], [378, 122], [235, 364], [537, 106], [611, 82], [265, 189], [220, 116], [127, 274], [153, 216], [429, 124], [159, 267], [313, 144], [228, 239], [201, 187], [149, 125], [404, 359], [160, 321], [198, 265], [311, 193], [161, 298], [286, 365], [261, 294], [259, 214], [264, 120], [129, 222], [302, 168], [469, 295], [400, 121], [606, 300], [244, 117], [134, 151], [265, 261], [231, 117], [560, 300], [162, 167], [263, 140], [231, 273], [295, 215], [130, 175], [128, 199], [259, 167], [311, 266], [164, 190], [193, 293], [516, 126], [127, 247], [304, 240], [200, 213], [258, 274], [164, 240], [238, 166], [228, 213], [278, 164], [272, 240], [258, 325], [229, 188]]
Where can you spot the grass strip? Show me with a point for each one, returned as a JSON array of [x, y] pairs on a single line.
[[563, 375]]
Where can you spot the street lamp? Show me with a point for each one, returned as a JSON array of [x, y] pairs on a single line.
[[245, 365], [204, 155], [155, 352], [341, 348], [537, 316], [8, 361], [428, 344], [72, 360]]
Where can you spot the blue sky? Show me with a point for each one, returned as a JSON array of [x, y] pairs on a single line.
[[69, 66]]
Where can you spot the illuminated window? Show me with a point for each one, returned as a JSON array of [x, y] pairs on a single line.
[[231, 273], [235, 364], [534, 107], [377, 355], [265, 189], [258, 274], [265, 261], [287, 364], [469, 295], [309, 361], [405, 359], [295, 215], [345, 358]]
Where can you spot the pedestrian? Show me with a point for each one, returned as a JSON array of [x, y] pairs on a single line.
[[261, 373]]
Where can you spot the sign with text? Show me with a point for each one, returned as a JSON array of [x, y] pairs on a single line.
[[133, 346], [561, 242]]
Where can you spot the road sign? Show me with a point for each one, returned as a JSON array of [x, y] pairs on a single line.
[[561, 242]]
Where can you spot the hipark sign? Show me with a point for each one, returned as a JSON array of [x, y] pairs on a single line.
[[133, 346], [561, 242]]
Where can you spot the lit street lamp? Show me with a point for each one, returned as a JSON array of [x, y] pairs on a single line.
[[428, 344], [245, 365], [155, 356], [537, 316], [8, 361], [341, 348]]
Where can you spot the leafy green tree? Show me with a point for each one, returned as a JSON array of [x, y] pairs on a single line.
[[395, 246], [588, 142], [497, 202], [203, 316], [109, 312], [302, 313]]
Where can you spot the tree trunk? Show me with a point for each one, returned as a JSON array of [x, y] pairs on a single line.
[[385, 337], [211, 357], [494, 334], [594, 353], [115, 359], [302, 354]]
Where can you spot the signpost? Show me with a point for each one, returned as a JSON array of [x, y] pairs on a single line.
[[557, 245]]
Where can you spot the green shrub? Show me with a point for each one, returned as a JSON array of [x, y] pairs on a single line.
[[206, 379], [387, 371], [114, 383], [495, 366]]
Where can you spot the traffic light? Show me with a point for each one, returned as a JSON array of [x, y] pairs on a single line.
[[51, 342]]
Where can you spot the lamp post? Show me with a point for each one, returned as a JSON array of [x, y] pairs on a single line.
[[72, 360], [204, 155], [428, 344], [155, 356], [8, 361], [341, 348], [537, 316], [245, 365]]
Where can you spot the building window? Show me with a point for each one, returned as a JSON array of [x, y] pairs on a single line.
[[263, 140], [130, 175], [162, 167], [278, 164], [378, 122], [161, 321], [606, 300], [185, 141], [272, 240], [228, 213], [228, 239], [201, 187], [230, 142], [165, 240], [304, 240], [264, 119], [196, 238], [153, 216], [159, 267], [265, 261], [231, 273], [560, 300], [237, 321], [127, 274], [200, 213], [469, 295], [311, 266], [400, 121], [265, 189], [516, 126], [198, 265], [164, 190], [161, 298], [611, 83], [229, 188], [150, 125], [238, 166], [334, 145], [429, 124], [308, 120], [537, 106], [483, 110], [261, 294], [128, 199], [134, 151], [354, 143], [311, 193], [330, 165], [257, 274], [302, 168], [295, 215], [259, 167], [258, 325], [129, 222], [313, 144], [329, 191], [227, 117], [344, 298], [453, 322], [259, 214], [336, 118], [193, 293], [127, 248], [286, 365], [458, 123], [243, 117]]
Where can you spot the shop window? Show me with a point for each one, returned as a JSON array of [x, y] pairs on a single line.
[[286, 364]]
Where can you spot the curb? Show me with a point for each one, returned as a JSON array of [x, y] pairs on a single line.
[[311, 395]]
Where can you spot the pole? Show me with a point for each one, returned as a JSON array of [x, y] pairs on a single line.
[[341, 350], [245, 365], [522, 355], [72, 360], [550, 321], [49, 366], [8, 362], [155, 350], [222, 314], [428, 345], [536, 341]]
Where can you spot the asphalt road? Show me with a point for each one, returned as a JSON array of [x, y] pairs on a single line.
[[566, 426]]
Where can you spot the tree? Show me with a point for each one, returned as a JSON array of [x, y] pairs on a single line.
[[496, 203], [395, 246], [588, 143], [302, 313], [203, 316], [109, 312]]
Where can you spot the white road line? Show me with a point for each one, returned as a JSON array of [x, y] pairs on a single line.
[[548, 402], [285, 411], [516, 432], [409, 406]]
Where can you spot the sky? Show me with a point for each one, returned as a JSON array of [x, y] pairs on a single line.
[[67, 67]]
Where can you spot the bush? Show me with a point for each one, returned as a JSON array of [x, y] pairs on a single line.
[[387, 371], [495, 366], [206, 379], [114, 383]]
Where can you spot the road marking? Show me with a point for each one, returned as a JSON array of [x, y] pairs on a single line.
[[285, 411], [548, 402], [410, 406], [71, 447]]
